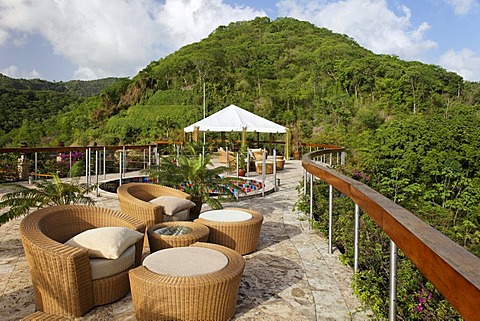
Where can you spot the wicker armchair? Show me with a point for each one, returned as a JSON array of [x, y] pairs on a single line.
[[257, 154], [61, 274], [135, 200], [222, 156]]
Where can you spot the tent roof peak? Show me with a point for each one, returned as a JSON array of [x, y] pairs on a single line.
[[234, 118]]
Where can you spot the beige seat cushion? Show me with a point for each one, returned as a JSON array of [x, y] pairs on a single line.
[[172, 204], [102, 268], [256, 153], [186, 261], [226, 215], [105, 242], [179, 216]]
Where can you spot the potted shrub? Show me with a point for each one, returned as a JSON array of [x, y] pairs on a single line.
[[242, 159], [297, 154], [297, 142], [196, 176]]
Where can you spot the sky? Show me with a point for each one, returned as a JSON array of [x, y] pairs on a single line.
[[61, 40]]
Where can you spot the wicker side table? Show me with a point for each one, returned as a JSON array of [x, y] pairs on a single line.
[[172, 294], [192, 232], [235, 228], [268, 167]]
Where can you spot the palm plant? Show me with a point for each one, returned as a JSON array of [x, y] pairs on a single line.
[[242, 157], [44, 193], [196, 176]]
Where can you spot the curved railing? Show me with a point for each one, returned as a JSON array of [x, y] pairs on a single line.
[[453, 270]]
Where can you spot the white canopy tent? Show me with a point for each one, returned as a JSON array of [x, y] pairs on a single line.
[[234, 118]]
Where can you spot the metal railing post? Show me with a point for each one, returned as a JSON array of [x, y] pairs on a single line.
[[275, 170], [96, 171], [87, 166], [120, 167], [330, 217], [356, 238], [149, 156], [99, 161], [237, 158], [392, 313], [311, 197], [90, 166], [264, 169], [104, 162], [248, 163], [36, 165], [305, 175], [70, 164], [124, 170]]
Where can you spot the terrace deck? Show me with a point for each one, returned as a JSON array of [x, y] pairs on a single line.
[[291, 276]]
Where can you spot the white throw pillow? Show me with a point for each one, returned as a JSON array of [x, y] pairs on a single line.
[[173, 204], [105, 242]]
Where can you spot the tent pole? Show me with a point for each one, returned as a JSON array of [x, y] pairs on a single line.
[[203, 146], [244, 136], [270, 143], [287, 144], [204, 115]]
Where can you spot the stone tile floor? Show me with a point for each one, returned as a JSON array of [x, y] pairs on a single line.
[[291, 276]]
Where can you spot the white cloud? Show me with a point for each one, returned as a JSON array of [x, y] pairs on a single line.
[[463, 62], [87, 73], [114, 37], [192, 20], [13, 72], [461, 6], [370, 22], [3, 36]]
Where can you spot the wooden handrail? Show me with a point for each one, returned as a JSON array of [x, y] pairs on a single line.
[[22, 150], [453, 270]]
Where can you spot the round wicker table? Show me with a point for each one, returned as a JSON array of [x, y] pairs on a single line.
[[236, 228], [176, 234], [199, 282]]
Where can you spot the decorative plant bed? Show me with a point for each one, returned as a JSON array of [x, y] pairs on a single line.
[[249, 186]]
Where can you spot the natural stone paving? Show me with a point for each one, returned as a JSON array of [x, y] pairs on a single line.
[[291, 276]]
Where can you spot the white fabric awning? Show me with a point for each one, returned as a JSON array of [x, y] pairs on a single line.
[[234, 118]]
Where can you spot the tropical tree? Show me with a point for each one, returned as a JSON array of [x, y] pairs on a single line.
[[44, 193], [196, 176]]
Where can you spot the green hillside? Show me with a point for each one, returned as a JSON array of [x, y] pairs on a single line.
[[25, 103], [312, 80]]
